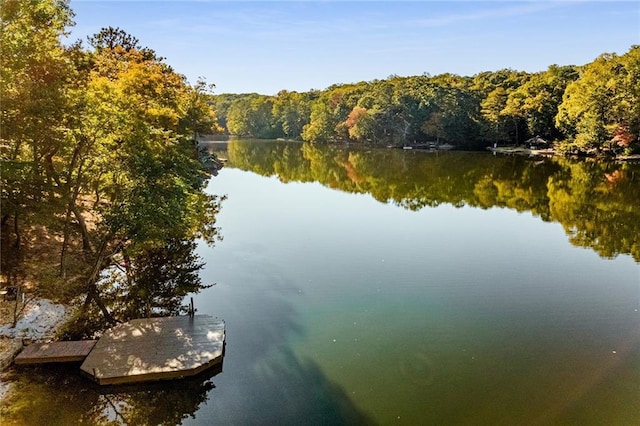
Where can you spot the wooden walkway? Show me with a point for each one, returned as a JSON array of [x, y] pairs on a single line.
[[156, 349], [40, 353]]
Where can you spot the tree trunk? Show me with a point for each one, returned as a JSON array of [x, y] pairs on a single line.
[[65, 243], [16, 310], [95, 296], [86, 241], [92, 290], [16, 230], [51, 171], [127, 267]]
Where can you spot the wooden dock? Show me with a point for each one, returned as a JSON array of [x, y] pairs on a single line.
[[40, 353], [156, 349]]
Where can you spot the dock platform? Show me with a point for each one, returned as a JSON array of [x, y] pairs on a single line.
[[41, 353], [156, 349]]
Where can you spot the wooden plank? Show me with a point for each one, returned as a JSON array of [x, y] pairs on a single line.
[[156, 349], [40, 353]]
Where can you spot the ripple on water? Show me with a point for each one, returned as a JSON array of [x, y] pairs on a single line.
[[417, 368]]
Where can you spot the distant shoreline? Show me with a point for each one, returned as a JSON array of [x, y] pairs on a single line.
[[551, 152]]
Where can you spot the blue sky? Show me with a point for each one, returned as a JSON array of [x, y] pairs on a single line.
[[267, 46]]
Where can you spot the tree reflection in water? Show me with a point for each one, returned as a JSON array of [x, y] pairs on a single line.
[[155, 283], [595, 201], [38, 393]]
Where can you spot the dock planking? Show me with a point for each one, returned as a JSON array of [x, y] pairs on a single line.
[[55, 352], [156, 349]]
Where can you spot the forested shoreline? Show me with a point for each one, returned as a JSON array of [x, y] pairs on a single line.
[[591, 108], [102, 182]]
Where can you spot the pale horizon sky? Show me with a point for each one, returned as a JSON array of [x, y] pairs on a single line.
[[267, 46]]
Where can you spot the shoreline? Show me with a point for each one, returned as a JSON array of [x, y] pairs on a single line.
[[550, 152], [39, 321]]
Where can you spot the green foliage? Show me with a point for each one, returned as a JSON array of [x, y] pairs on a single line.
[[291, 110], [34, 94], [361, 124], [594, 106], [155, 281], [106, 135], [600, 109], [500, 124], [252, 116], [322, 124], [537, 100]]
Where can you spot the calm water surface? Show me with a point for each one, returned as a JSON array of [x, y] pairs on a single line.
[[458, 289]]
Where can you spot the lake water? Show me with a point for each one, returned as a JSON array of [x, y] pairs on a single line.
[[395, 287]]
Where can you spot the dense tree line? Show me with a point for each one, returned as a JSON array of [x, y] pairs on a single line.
[[98, 151], [595, 201], [589, 107]]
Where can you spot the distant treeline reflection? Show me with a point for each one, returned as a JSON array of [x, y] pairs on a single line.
[[596, 202]]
